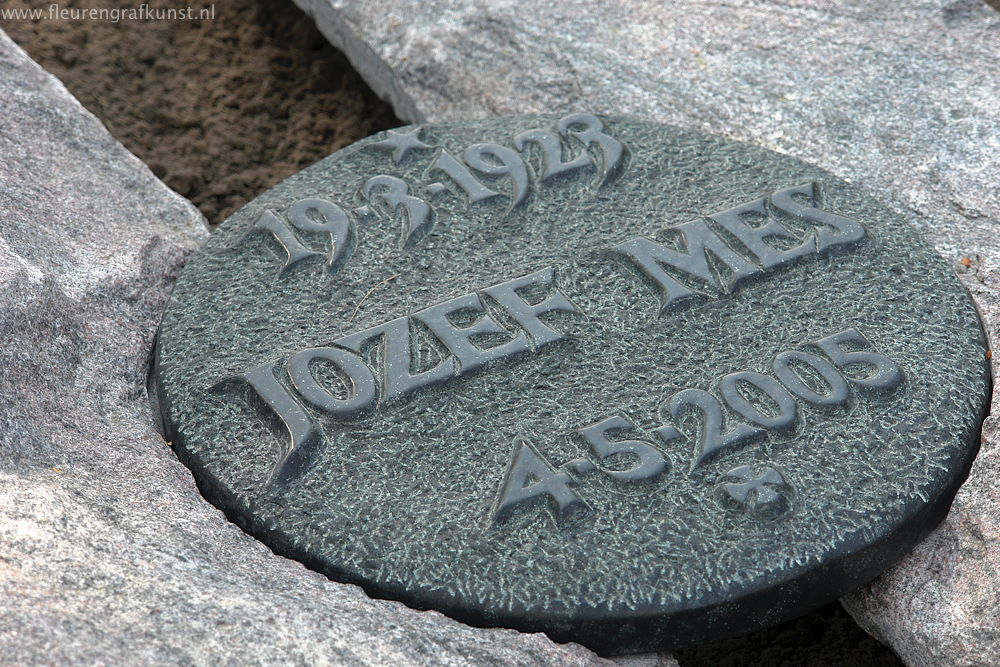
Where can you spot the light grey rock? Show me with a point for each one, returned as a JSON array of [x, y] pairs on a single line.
[[108, 554], [901, 98]]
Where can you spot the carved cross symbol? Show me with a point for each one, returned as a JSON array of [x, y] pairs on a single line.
[[399, 143], [755, 488]]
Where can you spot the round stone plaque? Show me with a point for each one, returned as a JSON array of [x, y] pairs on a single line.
[[631, 385]]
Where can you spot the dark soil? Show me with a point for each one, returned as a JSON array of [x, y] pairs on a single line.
[[225, 108], [220, 109], [827, 637]]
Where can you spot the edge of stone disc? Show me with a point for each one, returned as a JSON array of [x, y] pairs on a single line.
[[645, 629]]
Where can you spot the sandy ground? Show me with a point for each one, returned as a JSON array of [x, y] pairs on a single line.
[[224, 108], [219, 109]]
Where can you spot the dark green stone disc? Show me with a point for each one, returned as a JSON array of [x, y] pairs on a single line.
[[631, 385]]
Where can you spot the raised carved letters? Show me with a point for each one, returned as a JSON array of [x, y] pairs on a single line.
[[668, 268], [497, 160], [303, 433], [397, 379], [887, 375], [716, 434], [761, 404], [699, 238], [703, 249], [388, 195], [784, 415], [707, 257], [834, 230], [310, 215], [754, 238], [295, 250], [392, 376], [458, 340], [459, 172], [770, 405], [552, 152], [530, 478], [360, 381], [395, 193], [649, 461], [838, 393], [589, 130], [526, 314]]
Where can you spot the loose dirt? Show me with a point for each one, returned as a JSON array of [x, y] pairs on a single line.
[[220, 109]]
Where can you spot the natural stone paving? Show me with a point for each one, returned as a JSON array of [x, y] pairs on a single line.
[[902, 99], [108, 554]]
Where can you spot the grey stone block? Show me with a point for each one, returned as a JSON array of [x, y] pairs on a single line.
[[108, 553], [902, 100]]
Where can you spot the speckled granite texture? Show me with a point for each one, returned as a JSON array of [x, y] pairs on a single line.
[[108, 553], [399, 497], [901, 99]]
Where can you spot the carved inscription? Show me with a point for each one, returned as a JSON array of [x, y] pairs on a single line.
[[706, 258], [687, 273], [394, 193], [398, 143], [531, 478], [762, 404], [509, 175], [758, 488], [761, 492], [393, 376], [313, 215]]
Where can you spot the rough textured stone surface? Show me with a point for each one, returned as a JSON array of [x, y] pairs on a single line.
[[902, 99], [400, 494], [108, 554], [941, 606]]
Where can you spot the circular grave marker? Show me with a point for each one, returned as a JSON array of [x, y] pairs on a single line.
[[632, 385]]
